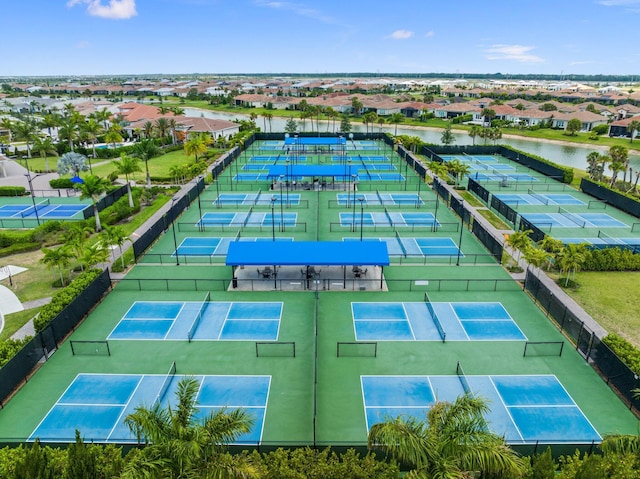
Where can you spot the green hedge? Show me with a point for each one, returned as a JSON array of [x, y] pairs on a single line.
[[9, 237], [13, 191], [626, 351], [567, 171], [64, 297], [10, 347], [61, 183], [19, 248], [611, 259]]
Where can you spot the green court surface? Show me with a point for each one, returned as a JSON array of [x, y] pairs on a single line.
[[316, 397]]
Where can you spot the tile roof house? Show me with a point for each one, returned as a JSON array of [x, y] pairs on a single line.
[[589, 120], [620, 128]]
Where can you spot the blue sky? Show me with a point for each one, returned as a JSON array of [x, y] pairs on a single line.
[[102, 37]]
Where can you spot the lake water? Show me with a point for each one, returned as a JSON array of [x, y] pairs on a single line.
[[574, 156]]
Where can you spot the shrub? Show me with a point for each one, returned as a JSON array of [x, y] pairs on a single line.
[[567, 171], [61, 183], [10, 347], [12, 191], [19, 248], [64, 297], [611, 259], [627, 352]]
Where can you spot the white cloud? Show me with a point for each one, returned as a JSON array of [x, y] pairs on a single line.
[[430, 33], [115, 9], [517, 53], [401, 34]]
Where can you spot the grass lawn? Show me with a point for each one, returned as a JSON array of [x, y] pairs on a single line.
[[36, 282], [612, 299], [493, 219], [13, 322]]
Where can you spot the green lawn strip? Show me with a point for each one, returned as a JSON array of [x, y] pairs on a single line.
[[492, 218], [612, 299], [14, 321]]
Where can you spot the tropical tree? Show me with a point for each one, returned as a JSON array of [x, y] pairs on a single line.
[[332, 114], [438, 168], [570, 259], [356, 106], [304, 115], [178, 172], [7, 124], [573, 126], [345, 124], [381, 121], [93, 187], [147, 129], [46, 148], [395, 119], [145, 150], [457, 169], [50, 120], [102, 116], [369, 118], [72, 163], [126, 166], [115, 235], [92, 130], [632, 128], [75, 238], [536, 257], [593, 166], [447, 137], [58, 258], [176, 110], [620, 155], [519, 241], [488, 114], [450, 443], [197, 144], [180, 445], [495, 133], [26, 131], [69, 130], [113, 135], [473, 132], [161, 126], [94, 254]]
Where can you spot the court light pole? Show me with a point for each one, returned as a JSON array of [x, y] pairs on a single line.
[[273, 220], [435, 214], [33, 197], [281, 213], [361, 200], [173, 228], [200, 178], [353, 177], [288, 181]]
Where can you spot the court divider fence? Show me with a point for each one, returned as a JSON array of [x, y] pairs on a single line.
[[614, 371], [20, 367], [619, 200], [505, 210]]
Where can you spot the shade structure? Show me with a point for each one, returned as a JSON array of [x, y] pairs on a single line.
[[308, 253]]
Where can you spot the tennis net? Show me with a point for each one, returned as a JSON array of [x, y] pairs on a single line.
[[436, 320], [246, 220], [463, 379], [404, 250], [610, 239], [32, 209], [388, 216], [572, 217], [541, 198], [380, 197], [165, 385], [196, 322]]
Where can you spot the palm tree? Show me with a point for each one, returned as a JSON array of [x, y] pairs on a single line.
[[197, 144], [593, 168], [615, 167], [487, 114], [269, 117], [162, 127], [570, 259], [126, 166], [473, 132], [45, 147], [92, 130], [332, 115], [450, 442], [72, 163], [92, 187], [632, 128], [26, 131], [381, 121], [68, 131], [176, 110], [113, 135], [536, 257], [395, 119], [519, 241], [75, 238], [50, 121], [115, 235], [7, 124], [94, 254], [179, 445], [103, 116], [438, 168], [620, 154], [58, 258], [147, 129], [145, 150]]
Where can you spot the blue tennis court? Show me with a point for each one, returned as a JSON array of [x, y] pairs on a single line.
[[274, 159], [250, 177], [523, 409], [197, 320], [378, 199], [434, 322], [252, 199], [315, 140], [360, 159], [247, 219], [400, 246], [371, 176], [606, 242], [43, 210], [574, 220], [215, 246], [502, 177], [388, 219], [97, 404], [536, 199]]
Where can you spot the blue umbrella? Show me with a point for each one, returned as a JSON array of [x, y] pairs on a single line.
[[77, 179]]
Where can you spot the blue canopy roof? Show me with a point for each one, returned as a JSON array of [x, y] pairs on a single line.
[[308, 253], [337, 171], [310, 140]]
